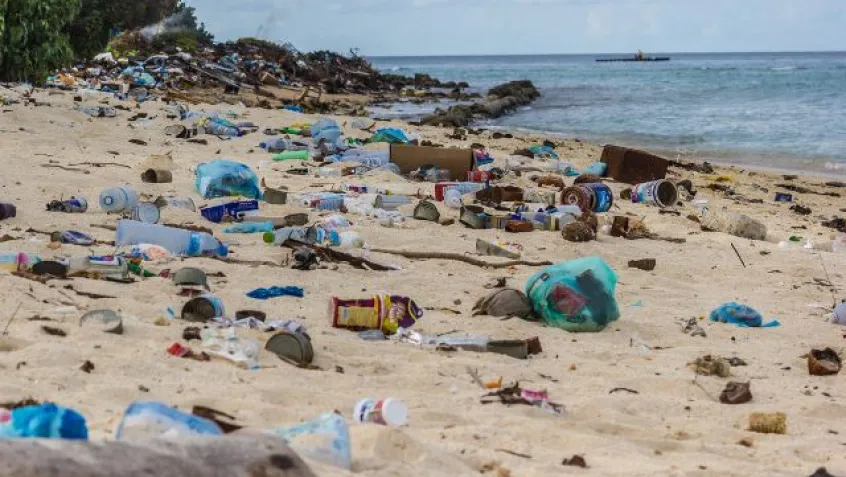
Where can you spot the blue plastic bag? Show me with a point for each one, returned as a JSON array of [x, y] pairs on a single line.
[[222, 177], [275, 292], [577, 296], [390, 135], [326, 130], [45, 421], [741, 315]]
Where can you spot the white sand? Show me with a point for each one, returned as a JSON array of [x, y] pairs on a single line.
[[672, 427]]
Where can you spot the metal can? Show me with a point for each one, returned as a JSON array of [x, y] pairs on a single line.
[[661, 193], [603, 198]]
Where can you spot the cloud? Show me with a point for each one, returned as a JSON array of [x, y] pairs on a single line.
[[402, 27]]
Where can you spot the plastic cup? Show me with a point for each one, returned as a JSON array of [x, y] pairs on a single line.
[[387, 412]]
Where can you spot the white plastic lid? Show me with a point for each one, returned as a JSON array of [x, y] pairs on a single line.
[[394, 412]]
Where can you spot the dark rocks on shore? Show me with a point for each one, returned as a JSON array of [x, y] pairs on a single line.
[[501, 100]]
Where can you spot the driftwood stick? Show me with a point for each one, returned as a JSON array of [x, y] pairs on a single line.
[[101, 164], [460, 258], [332, 255]]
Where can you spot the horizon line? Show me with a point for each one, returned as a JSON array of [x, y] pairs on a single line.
[[466, 55]]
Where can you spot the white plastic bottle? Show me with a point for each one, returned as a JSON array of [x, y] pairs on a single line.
[[118, 199], [177, 241]]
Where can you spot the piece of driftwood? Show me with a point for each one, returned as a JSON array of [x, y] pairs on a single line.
[[332, 255], [219, 456], [64, 168], [101, 164], [460, 258]]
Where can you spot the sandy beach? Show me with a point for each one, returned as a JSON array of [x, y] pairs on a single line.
[[670, 423]]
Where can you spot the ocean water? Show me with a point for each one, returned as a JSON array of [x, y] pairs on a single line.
[[781, 110]]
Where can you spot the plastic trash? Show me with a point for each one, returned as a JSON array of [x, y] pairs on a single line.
[[13, 262], [43, 421], [275, 292], [74, 238], [325, 439], [226, 344], [310, 235], [276, 145], [325, 129], [840, 314], [145, 420], [387, 412], [383, 312], [249, 228], [741, 315], [577, 295], [349, 239], [97, 111], [220, 127], [222, 177], [176, 241], [452, 199], [116, 200], [390, 135], [300, 155], [235, 210], [595, 169], [335, 221]]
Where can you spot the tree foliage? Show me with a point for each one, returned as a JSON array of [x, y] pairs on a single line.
[[34, 41]]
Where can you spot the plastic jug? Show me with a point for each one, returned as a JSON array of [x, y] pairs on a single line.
[[115, 200], [176, 241]]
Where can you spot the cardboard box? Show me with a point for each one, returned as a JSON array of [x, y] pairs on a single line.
[[632, 166], [456, 161]]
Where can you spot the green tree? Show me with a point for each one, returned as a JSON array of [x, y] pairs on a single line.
[[34, 41]]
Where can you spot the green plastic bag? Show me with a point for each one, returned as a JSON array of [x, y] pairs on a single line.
[[576, 296]]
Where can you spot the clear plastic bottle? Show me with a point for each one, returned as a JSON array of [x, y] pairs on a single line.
[[349, 239], [335, 221], [276, 145], [176, 241], [452, 198], [249, 228], [115, 200], [300, 234]]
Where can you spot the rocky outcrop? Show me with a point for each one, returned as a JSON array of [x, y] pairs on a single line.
[[501, 100]]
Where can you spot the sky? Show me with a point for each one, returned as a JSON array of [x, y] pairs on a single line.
[[478, 27]]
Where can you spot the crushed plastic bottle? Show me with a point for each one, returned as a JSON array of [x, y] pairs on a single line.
[[145, 420], [325, 439]]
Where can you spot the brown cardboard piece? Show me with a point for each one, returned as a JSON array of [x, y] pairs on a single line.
[[456, 161]]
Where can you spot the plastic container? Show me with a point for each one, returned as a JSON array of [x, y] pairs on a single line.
[[116, 200], [176, 202], [232, 210], [276, 145], [326, 130], [436, 175], [301, 234], [335, 221], [387, 412], [325, 439], [146, 212], [73, 237], [348, 239], [176, 241], [249, 228], [152, 420], [452, 199], [329, 172], [76, 205], [220, 127], [661, 193]]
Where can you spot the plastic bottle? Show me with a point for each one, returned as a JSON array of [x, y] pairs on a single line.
[[300, 234], [292, 156], [335, 221], [839, 243], [220, 127], [349, 239], [329, 172], [387, 412], [13, 262], [176, 241], [73, 237], [276, 145], [118, 199], [249, 228], [176, 202], [151, 420]]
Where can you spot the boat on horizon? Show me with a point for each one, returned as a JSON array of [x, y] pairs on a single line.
[[639, 56]]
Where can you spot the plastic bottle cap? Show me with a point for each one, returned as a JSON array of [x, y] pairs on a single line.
[[268, 237]]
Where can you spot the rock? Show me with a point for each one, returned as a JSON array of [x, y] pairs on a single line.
[[801, 209], [836, 223], [501, 100], [822, 472], [835, 184], [823, 362], [712, 366], [578, 231], [739, 225], [646, 264], [736, 393], [253, 456]]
